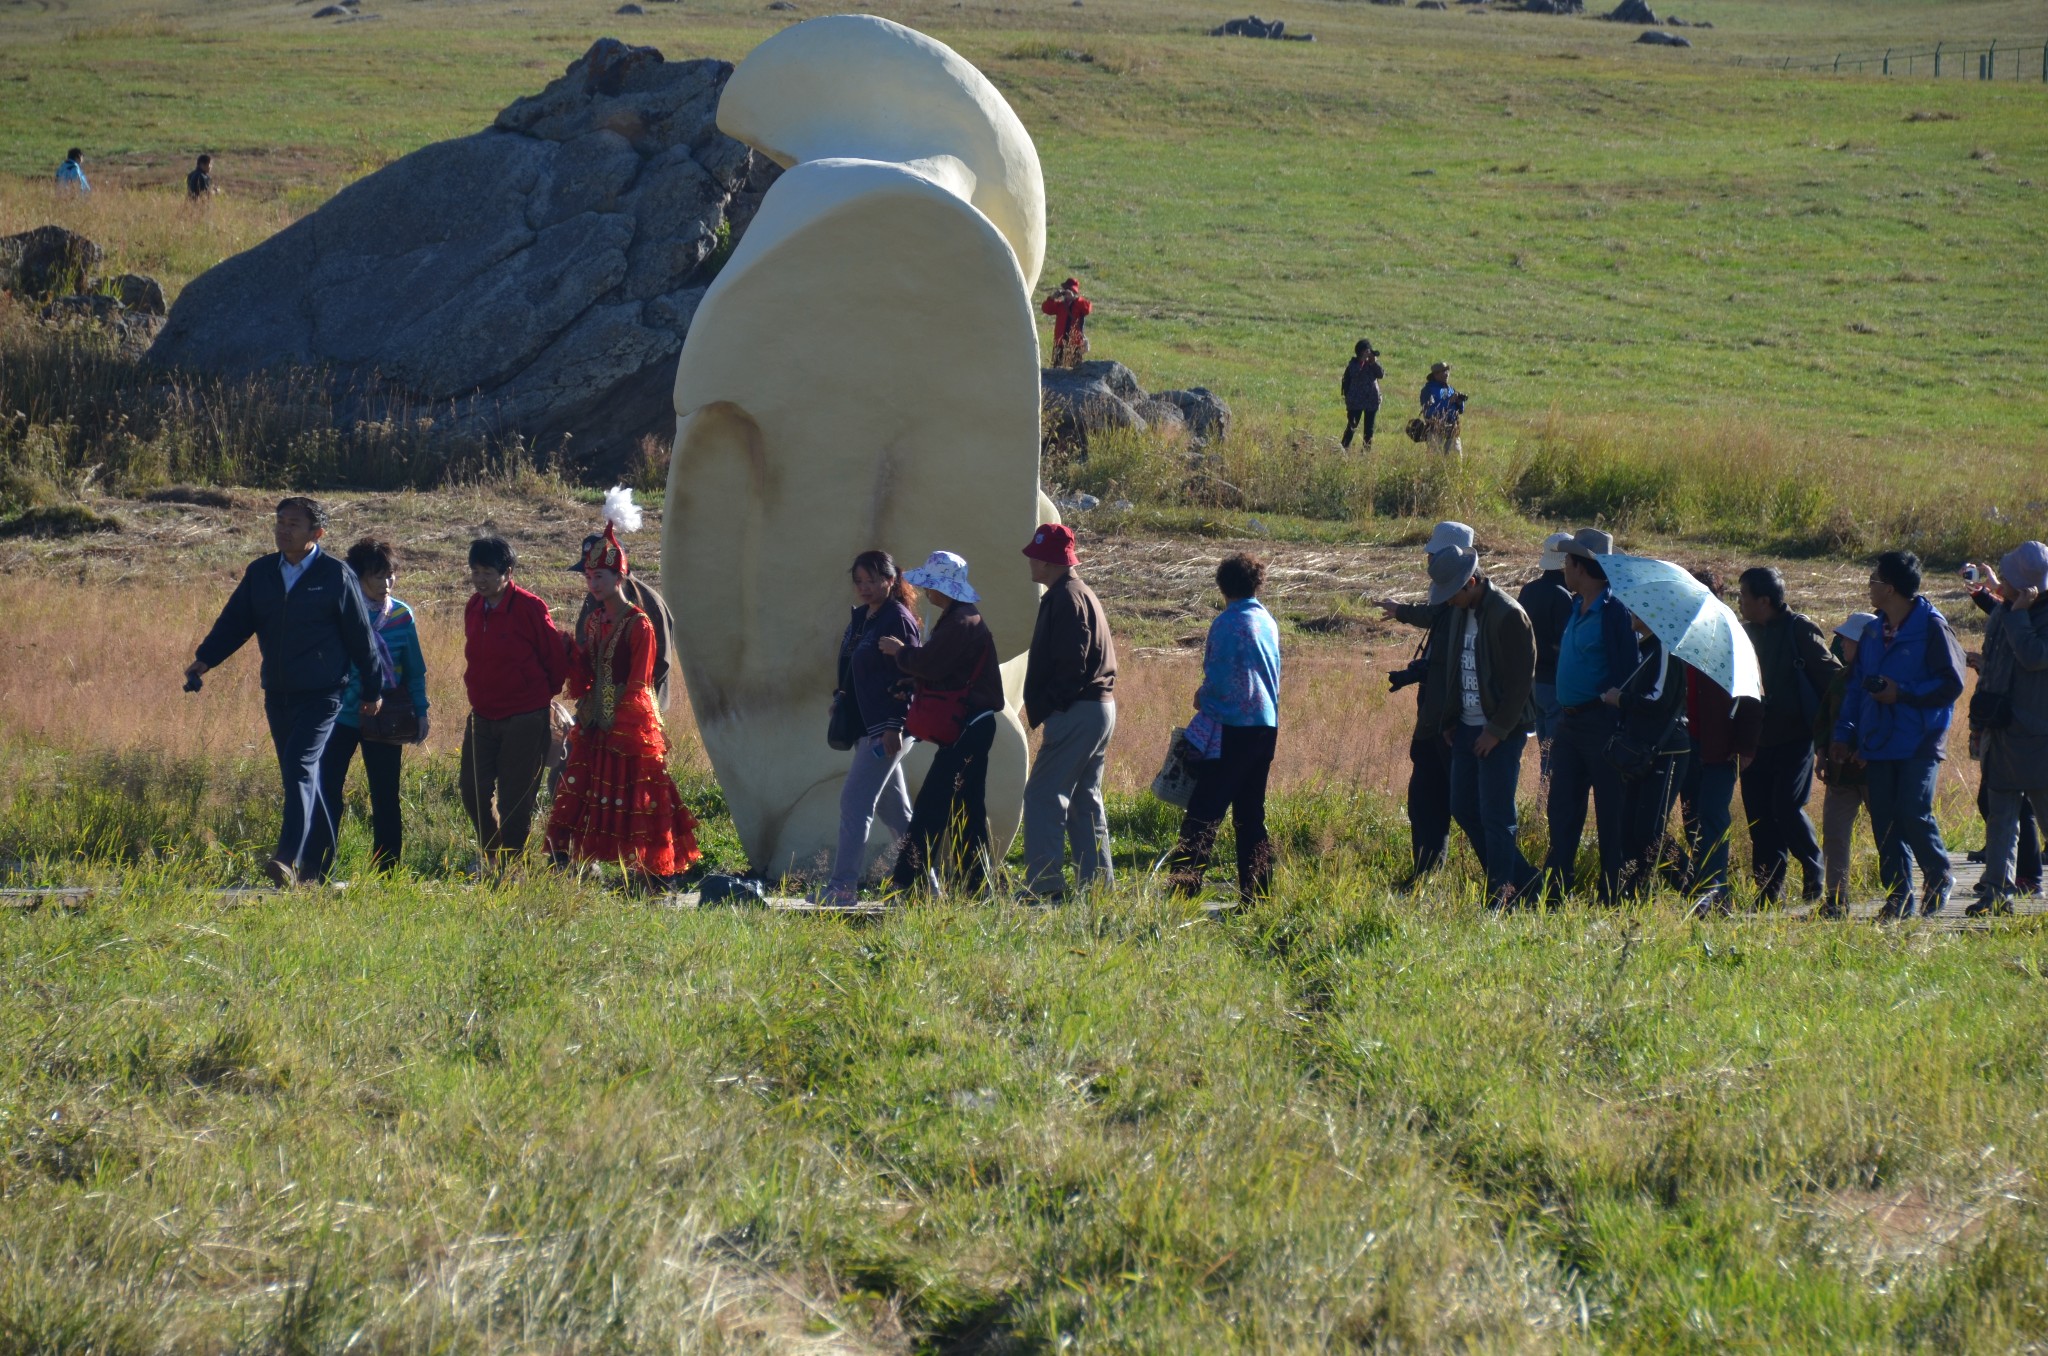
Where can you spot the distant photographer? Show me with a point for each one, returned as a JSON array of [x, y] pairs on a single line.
[[1443, 411], [1361, 387]]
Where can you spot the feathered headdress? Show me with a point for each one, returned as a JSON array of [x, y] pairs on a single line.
[[621, 514]]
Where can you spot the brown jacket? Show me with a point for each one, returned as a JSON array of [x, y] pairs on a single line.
[[946, 660], [1073, 658]]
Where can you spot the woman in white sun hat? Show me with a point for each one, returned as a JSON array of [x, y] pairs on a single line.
[[959, 690]]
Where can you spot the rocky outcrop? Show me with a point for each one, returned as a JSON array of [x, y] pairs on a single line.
[[534, 278], [1252, 26], [1632, 12], [46, 263], [1659, 38], [1094, 398]]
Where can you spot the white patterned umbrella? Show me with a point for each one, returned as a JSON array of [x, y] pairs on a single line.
[[1693, 624]]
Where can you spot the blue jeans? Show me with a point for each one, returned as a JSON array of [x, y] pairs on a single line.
[[1544, 697], [300, 723], [1708, 796], [1578, 768], [1901, 799], [1483, 803]]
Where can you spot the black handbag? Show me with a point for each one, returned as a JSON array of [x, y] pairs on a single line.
[[843, 729], [396, 722]]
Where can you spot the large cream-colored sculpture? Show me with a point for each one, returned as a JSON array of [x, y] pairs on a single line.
[[863, 373]]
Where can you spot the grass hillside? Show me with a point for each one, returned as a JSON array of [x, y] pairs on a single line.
[[1576, 222]]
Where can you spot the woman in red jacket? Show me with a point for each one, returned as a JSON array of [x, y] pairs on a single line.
[[617, 802], [1069, 311]]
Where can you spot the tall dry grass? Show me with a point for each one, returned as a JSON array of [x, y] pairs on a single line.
[[152, 228]]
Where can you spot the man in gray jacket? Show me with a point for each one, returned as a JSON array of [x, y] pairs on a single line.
[[1482, 664], [1069, 689]]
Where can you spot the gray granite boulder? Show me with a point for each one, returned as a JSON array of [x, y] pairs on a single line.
[[535, 278], [46, 263], [1083, 402]]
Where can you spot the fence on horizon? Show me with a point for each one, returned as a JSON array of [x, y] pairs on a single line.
[[1980, 60]]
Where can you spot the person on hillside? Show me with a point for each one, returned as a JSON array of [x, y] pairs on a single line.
[[402, 689], [617, 801], [1476, 702], [1443, 411], [1597, 654], [1234, 733], [1894, 723], [1548, 604], [1429, 762], [1844, 780], [1069, 311], [2010, 710], [514, 662], [869, 706], [1070, 693], [307, 613], [71, 174], [1651, 703], [1986, 592], [199, 183], [1721, 735], [1361, 388], [1796, 668], [960, 683]]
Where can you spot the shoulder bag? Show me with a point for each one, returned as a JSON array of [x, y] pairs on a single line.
[[938, 715], [1174, 783]]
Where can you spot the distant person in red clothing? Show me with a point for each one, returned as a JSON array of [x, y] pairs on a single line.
[[515, 661], [1069, 311]]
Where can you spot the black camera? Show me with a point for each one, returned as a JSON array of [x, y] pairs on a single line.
[[1873, 684], [1408, 675]]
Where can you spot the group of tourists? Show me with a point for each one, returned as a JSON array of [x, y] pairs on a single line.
[[70, 177], [343, 673], [1622, 720], [1443, 406]]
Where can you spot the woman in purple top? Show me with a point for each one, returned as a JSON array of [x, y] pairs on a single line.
[[1234, 732], [874, 786]]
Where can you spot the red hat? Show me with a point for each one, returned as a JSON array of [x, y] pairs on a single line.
[[605, 553], [1054, 544]]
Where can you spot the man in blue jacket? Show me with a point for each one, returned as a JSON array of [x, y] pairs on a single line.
[[1894, 724], [307, 613], [1596, 652]]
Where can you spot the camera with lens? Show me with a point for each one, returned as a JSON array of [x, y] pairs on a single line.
[[1408, 675], [1873, 684]]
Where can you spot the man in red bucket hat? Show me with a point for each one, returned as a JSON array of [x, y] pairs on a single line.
[[1069, 687]]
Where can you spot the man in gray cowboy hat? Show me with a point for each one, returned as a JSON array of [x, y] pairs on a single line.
[[1475, 703], [1429, 759], [1596, 652]]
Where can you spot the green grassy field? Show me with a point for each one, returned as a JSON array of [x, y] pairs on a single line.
[[1755, 310]]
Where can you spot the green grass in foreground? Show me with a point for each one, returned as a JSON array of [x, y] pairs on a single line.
[[421, 1117], [418, 1114]]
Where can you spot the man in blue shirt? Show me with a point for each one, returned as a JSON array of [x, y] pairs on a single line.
[[71, 174], [307, 613], [1596, 652]]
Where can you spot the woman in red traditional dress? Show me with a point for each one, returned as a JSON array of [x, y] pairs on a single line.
[[617, 802]]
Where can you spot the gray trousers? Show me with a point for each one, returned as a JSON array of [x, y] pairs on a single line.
[[1063, 800], [1837, 834], [874, 789], [2002, 833]]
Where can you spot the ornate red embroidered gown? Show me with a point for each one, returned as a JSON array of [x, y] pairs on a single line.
[[617, 802]]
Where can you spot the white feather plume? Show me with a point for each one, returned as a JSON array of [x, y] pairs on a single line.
[[620, 510]]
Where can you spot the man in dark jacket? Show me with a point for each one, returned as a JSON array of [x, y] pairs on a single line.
[[1361, 387], [307, 613], [1796, 668], [1894, 723], [1482, 660], [1548, 604], [1597, 653], [1429, 758], [1070, 691]]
